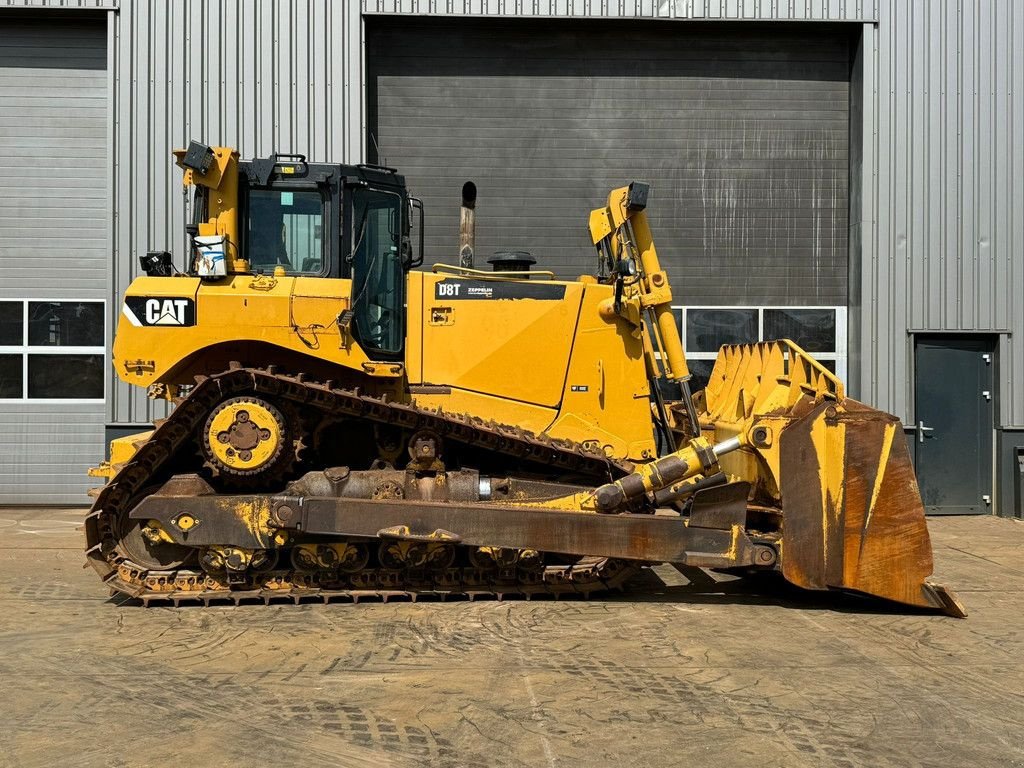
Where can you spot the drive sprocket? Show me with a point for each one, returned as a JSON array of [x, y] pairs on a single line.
[[248, 439]]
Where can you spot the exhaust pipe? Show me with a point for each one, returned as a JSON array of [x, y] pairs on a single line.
[[467, 225]]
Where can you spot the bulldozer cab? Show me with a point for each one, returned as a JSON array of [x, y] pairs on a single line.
[[333, 221]]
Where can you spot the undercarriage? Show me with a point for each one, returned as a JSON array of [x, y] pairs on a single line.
[[178, 523]]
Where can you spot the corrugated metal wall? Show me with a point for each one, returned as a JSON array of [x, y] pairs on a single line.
[[61, 5], [754, 10], [53, 130], [260, 76], [46, 451], [943, 188], [741, 131]]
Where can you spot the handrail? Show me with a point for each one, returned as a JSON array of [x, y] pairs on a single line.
[[483, 275], [836, 388]]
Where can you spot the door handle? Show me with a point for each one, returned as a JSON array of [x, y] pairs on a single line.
[[921, 429]]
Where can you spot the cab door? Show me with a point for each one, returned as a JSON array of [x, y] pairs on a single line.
[[378, 274], [507, 338]]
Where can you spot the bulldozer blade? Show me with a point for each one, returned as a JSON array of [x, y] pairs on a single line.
[[852, 512]]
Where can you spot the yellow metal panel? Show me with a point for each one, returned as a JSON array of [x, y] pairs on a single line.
[[121, 451], [316, 304], [513, 348], [239, 309], [606, 397]]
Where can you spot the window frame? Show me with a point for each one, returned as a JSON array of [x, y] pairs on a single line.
[[840, 356], [25, 349], [374, 352], [276, 184]]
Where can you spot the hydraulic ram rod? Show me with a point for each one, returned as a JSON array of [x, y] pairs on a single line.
[[698, 457]]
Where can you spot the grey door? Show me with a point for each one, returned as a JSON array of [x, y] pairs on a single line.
[[954, 396], [742, 130]]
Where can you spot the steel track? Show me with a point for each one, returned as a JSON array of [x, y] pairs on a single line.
[[172, 436]]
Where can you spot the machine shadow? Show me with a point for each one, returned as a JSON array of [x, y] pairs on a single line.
[[703, 588]]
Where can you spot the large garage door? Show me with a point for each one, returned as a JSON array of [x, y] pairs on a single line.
[[54, 255], [742, 131]]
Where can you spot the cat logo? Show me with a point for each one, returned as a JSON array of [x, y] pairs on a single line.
[[159, 310]]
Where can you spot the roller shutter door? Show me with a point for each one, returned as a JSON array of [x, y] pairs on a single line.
[[742, 131], [54, 251]]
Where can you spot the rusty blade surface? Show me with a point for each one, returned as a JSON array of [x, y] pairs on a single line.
[[852, 512]]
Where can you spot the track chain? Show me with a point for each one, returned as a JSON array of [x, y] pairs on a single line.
[[171, 436]]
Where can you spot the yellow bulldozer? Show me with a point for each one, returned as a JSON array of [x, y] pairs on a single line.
[[347, 426]]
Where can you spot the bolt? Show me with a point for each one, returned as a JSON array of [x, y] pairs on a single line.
[[765, 555], [285, 514]]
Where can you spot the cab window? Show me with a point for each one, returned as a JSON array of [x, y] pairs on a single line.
[[378, 279], [286, 228]]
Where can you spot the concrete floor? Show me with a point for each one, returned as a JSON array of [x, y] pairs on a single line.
[[672, 673]]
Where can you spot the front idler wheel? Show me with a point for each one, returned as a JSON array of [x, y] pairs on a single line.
[[145, 544]]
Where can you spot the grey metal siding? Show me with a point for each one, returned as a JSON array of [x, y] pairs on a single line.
[[261, 76], [60, 5], [714, 10], [46, 450], [743, 134], [944, 190], [53, 230], [53, 118]]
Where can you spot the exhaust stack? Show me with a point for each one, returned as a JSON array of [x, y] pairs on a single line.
[[467, 225]]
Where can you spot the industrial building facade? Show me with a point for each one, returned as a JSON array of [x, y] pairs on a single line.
[[847, 174]]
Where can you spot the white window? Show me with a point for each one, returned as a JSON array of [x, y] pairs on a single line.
[[52, 350], [820, 331]]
